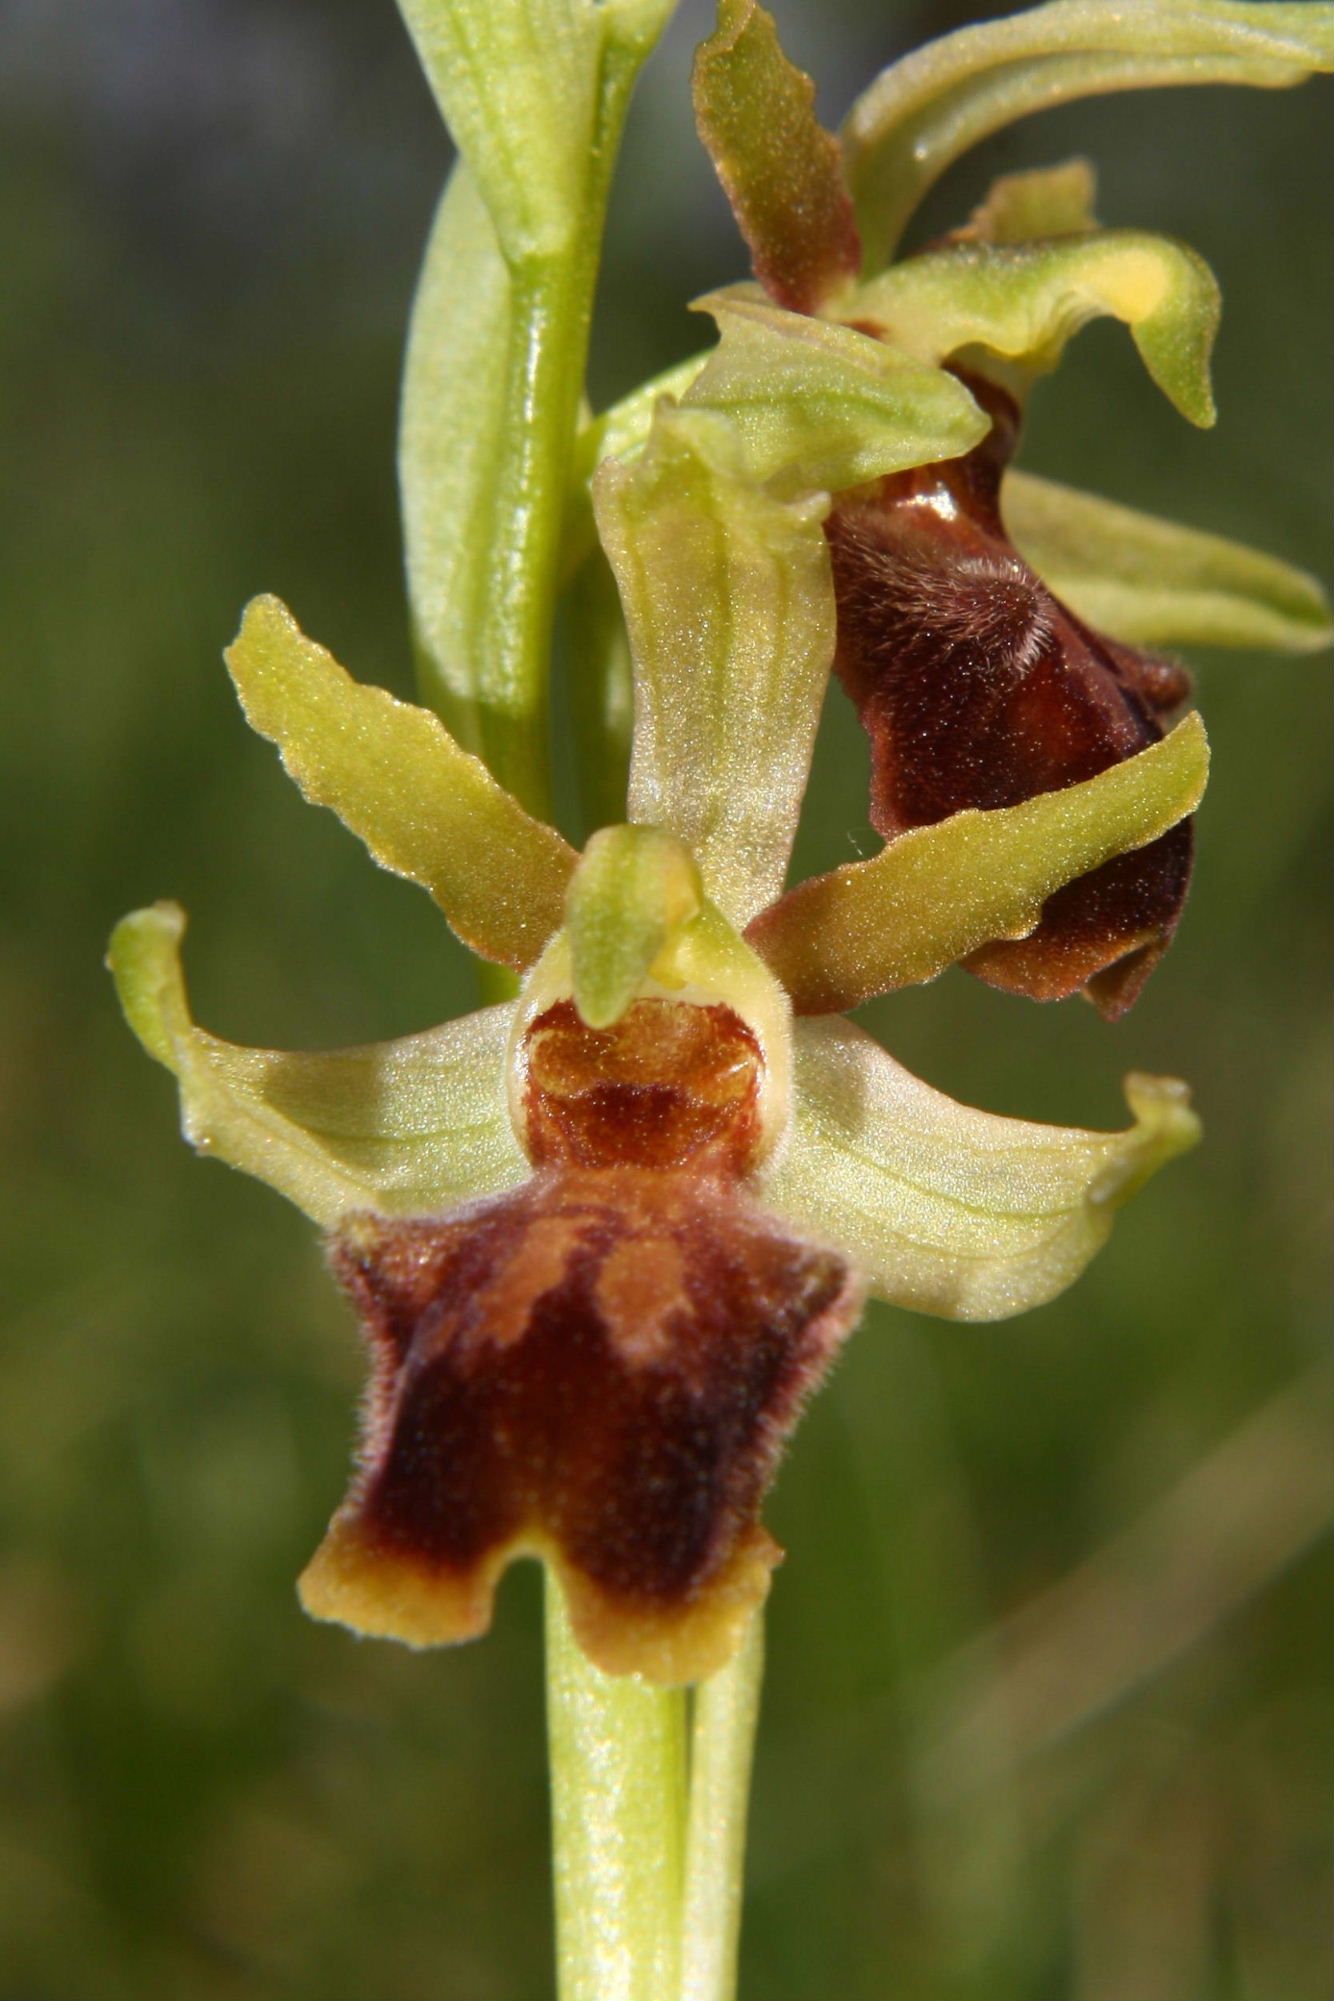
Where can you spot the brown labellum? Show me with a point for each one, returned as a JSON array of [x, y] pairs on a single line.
[[599, 1368], [979, 688]]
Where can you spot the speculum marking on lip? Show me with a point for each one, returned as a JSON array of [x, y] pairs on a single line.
[[978, 688], [601, 1366]]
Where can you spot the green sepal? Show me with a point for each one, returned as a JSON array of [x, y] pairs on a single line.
[[937, 893], [405, 1128], [783, 173], [729, 605], [1024, 301], [1155, 583], [949, 1210], [925, 111], [633, 888], [818, 405], [424, 807]]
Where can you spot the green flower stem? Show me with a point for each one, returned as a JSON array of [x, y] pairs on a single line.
[[550, 310], [722, 1745], [617, 1751]]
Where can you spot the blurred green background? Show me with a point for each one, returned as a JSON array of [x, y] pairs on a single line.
[[1047, 1714]]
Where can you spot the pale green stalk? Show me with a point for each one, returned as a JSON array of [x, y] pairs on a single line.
[[722, 1745], [648, 1866], [618, 1805]]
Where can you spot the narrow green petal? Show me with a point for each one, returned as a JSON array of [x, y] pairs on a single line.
[[950, 1210], [922, 113], [937, 893], [633, 888], [515, 81], [395, 776], [1026, 300], [1046, 201], [1154, 583], [730, 609], [782, 171], [819, 405], [404, 1127]]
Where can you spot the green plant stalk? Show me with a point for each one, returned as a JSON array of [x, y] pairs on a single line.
[[722, 1744], [617, 1750]]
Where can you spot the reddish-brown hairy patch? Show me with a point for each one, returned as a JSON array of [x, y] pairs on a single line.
[[979, 688], [600, 1367]]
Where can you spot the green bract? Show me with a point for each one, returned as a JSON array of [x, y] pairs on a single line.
[[535, 92], [731, 622]]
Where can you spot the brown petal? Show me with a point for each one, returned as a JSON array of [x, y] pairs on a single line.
[[978, 688], [599, 1369]]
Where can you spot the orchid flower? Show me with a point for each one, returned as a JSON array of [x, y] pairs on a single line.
[[607, 1236], [977, 684]]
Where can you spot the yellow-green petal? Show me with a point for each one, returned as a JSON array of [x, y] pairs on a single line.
[[730, 609], [818, 405], [937, 893], [923, 112], [405, 1128], [425, 808], [949, 1210], [1024, 301], [1156, 583]]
